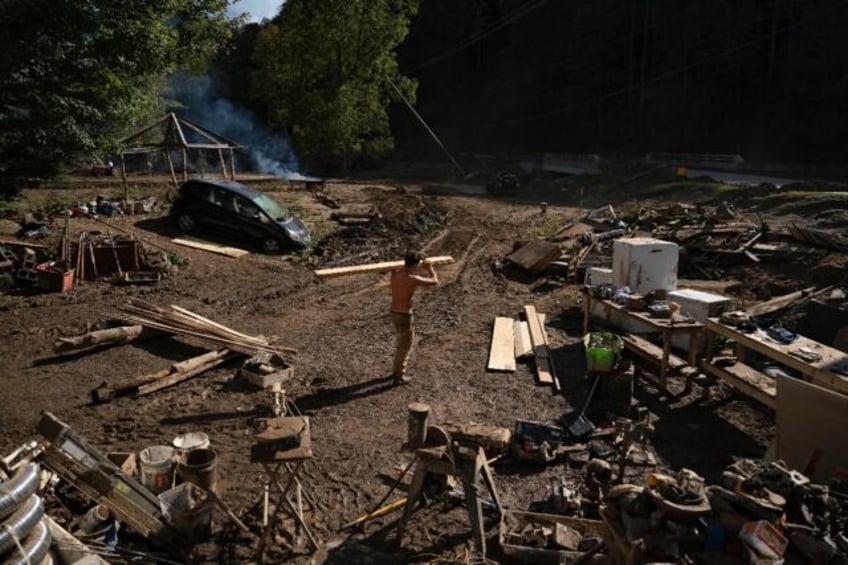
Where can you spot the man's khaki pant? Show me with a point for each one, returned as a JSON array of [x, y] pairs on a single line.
[[403, 328]]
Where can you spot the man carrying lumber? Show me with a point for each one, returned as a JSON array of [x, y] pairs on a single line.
[[404, 282]]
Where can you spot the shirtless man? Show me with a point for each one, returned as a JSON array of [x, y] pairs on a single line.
[[404, 282]]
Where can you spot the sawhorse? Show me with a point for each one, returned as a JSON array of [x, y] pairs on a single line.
[[290, 460], [465, 461]]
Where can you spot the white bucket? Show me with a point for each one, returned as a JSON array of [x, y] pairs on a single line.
[[156, 465], [189, 441]]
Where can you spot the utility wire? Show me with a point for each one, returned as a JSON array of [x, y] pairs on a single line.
[[426, 127]]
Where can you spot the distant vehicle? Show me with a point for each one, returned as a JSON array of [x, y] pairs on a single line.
[[504, 183], [229, 208]]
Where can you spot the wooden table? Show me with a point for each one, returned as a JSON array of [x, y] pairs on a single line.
[[819, 372], [665, 326]]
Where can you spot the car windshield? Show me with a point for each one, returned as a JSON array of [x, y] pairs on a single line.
[[271, 207]]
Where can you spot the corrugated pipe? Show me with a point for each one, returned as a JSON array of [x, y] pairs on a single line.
[[35, 547], [17, 489], [20, 523]]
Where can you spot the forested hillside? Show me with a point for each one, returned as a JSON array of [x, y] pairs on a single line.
[[766, 79]]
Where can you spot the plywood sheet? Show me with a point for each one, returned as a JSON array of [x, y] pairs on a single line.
[[535, 256], [811, 418], [502, 351]]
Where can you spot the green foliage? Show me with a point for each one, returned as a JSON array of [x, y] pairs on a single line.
[[75, 73], [323, 68]]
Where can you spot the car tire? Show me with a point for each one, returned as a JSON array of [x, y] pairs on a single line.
[[271, 246], [186, 222]]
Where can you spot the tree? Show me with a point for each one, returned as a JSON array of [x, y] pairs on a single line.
[[74, 73], [323, 68]]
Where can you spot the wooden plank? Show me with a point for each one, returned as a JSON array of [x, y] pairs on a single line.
[[746, 380], [523, 346], [538, 339], [211, 247], [535, 256], [502, 351], [778, 303], [376, 267], [543, 370], [807, 419], [654, 353]]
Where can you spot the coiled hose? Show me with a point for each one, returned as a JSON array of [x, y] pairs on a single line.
[[35, 547], [20, 487]]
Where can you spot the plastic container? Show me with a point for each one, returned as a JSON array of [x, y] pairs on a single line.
[[200, 466], [156, 466], [189, 441], [602, 351], [188, 509]]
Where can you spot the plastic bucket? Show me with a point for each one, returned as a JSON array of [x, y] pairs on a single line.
[[188, 510], [602, 351], [156, 466], [190, 441], [200, 466]]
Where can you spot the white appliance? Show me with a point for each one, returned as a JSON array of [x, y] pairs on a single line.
[[598, 275], [644, 264], [698, 305]]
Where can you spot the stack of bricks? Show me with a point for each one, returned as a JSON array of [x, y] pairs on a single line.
[[27, 270]]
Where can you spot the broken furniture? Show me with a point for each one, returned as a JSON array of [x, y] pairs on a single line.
[[824, 366], [451, 457], [531, 537], [283, 446], [641, 323], [100, 480]]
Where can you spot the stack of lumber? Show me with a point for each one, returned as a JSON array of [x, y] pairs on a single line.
[[180, 321], [513, 339]]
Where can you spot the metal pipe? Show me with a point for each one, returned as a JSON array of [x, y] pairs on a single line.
[[20, 523], [35, 547], [16, 490]]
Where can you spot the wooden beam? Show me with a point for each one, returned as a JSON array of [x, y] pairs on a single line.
[[746, 380], [376, 267], [192, 368], [502, 350], [522, 339], [539, 341], [778, 303]]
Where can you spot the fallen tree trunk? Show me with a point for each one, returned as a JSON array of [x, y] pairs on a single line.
[[191, 367], [110, 336]]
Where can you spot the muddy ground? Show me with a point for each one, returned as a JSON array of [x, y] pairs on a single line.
[[341, 330]]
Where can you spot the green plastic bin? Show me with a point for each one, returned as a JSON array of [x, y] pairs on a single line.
[[602, 351]]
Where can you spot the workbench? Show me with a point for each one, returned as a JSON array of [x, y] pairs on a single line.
[[667, 327], [760, 386]]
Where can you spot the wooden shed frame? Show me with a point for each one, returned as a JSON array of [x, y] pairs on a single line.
[[174, 139]]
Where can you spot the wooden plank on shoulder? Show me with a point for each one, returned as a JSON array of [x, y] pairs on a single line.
[[502, 351], [376, 267]]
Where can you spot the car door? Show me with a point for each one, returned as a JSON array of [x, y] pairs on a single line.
[[247, 219]]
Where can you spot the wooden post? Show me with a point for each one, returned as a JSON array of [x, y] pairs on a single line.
[[232, 164], [185, 164], [223, 164], [171, 166], [124, 179], [417, 427]]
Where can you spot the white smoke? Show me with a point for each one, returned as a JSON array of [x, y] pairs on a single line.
[[204, 104]]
